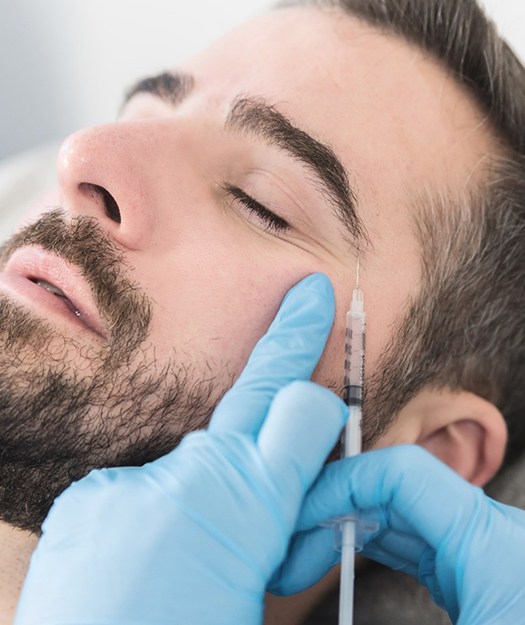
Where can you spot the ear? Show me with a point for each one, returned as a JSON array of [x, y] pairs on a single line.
[[462, 429]]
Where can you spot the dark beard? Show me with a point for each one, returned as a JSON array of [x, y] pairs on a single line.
[[57, 422]]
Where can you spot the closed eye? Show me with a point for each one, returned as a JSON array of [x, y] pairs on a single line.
[[271, 221]]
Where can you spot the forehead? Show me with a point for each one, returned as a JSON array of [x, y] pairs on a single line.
[[372, 97]]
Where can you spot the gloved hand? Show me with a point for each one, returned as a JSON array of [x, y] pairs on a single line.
[[193, 537], [468, 549]]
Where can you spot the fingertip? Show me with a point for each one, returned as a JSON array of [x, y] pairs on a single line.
[[315, 282], [320, 283], [317, 285], [319, 406]]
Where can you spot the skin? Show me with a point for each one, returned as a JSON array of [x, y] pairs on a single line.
[[215, 275]]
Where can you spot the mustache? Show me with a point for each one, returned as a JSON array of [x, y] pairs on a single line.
[[81, 242]]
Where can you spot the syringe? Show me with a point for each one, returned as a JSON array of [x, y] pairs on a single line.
[[351, 441]]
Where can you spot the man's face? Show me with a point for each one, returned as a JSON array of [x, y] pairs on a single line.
[[215, 270], [213, 208]]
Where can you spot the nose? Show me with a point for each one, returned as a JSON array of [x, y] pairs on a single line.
[[112, 173]]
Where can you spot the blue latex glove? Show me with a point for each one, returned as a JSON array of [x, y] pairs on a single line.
[[468, 549], [194, 537]]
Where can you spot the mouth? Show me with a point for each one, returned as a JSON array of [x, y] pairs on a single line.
[[51, 288], [46, 281]]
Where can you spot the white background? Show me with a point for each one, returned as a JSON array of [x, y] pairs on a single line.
[[65, 64]]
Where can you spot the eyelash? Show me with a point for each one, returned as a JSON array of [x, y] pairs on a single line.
[[273, 223]]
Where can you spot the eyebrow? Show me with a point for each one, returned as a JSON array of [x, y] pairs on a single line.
[[256, 117]]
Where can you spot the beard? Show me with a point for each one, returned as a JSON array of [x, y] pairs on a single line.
[[67, 408], [58, 419]]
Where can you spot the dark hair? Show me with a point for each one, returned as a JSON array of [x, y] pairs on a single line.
[[466, 327]]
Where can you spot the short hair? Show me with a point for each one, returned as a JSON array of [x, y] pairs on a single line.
[[465, 329]]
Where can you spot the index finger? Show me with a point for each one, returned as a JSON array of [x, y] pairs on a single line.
[[289, 351]]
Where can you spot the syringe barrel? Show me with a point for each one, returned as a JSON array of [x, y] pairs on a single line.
[[354, 357]]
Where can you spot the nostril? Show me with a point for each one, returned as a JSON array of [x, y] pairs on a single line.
[[112, 209], [110, 204]]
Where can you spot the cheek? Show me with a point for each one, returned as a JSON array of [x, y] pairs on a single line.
[[218, 302], [329, 371], [406, 429], [392, 277]]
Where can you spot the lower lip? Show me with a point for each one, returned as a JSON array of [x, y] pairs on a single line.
[[39, 298]]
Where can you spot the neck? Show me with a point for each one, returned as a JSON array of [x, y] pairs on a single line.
[[16, 547], [294, 609]]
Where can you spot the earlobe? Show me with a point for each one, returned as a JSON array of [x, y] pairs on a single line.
[[463, 430]]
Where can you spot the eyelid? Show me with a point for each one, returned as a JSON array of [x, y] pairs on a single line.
[[274, 223]]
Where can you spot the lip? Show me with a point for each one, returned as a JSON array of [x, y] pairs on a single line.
[[34, 263]]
